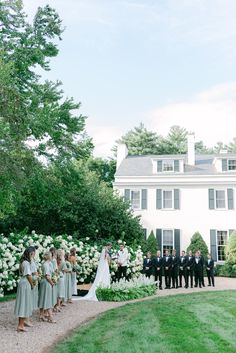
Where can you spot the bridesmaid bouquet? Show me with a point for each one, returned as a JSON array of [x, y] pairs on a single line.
[[55, 277], [35, 280], [76, 268]]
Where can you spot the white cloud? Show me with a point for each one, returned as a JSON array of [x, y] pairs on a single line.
[[104, 138], [210, 114]]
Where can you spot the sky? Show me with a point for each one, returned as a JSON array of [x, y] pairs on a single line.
[[160, 62]]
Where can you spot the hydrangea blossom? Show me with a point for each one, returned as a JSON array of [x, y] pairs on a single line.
[[12, 247]]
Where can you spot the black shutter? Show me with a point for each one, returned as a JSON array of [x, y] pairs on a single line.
[[230, 194], [177, 241], [159, 166], [213, 244], [176, 165], [144, 199], [176, 199], [159, 238], [127, 195], [159, 199], [211, 197], [224, 165]]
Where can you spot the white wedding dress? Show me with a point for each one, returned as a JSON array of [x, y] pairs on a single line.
[[102, 279]]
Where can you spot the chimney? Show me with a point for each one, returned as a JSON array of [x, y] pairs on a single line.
[[191, 149], [122, 152]]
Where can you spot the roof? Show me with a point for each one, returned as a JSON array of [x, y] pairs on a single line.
[[143, 165]]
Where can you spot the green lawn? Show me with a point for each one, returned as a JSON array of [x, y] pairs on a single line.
[[8, 297], [194, 323]]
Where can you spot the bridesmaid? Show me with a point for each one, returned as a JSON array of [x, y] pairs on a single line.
[[23, 306], [68, 287], [35, 277], [55, 273], [61, 282], [73, 261], [45, 290]]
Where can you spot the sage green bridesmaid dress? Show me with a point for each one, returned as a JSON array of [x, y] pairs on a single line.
[[23, 304], [68, 284], [54, 288], [35, 290], [61, 281], [45, 288]]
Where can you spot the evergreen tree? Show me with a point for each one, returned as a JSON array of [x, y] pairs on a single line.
[[151, 244], [197, 243]]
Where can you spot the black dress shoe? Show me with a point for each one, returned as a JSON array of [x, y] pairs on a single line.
[[194, 286], [160, 288], [209, 285], [200, 286]]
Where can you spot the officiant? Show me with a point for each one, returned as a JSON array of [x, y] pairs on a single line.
[[122, 261]]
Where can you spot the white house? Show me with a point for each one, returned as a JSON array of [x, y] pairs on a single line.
[[177, 195]]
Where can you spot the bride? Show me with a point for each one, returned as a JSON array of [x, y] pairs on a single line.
[[103, 278]]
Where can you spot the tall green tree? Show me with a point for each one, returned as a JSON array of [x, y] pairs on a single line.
[[35, 119], [198, 243], [105, 169], [71, 199], [141, 141]]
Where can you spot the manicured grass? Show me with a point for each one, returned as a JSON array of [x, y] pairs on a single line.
[[8, 297], [193, 323]]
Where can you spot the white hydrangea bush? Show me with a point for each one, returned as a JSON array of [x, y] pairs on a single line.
[[12, 247]]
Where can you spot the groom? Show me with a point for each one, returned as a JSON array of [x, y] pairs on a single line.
[[122, 261]]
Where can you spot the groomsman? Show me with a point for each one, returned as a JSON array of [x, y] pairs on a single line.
[[148, 265], [190, 269], [198, 265], [158, 266], [203, 262], [210, 270], [183, 269], [167, 264], [122, 261], [175, 269]]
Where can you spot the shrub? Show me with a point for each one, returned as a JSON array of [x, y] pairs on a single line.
[[88, 255], [197, 243], [230, 250], [226, 270], [127, 290]]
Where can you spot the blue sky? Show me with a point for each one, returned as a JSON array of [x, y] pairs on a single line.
[[161, 62]]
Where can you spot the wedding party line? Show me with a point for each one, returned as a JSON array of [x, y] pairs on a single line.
[[49, 287]]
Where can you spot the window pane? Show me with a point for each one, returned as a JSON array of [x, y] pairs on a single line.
[[135, 199], [232, 164], [167, 241], [221, 242], [168, 166], [220, 199], [167, 199]]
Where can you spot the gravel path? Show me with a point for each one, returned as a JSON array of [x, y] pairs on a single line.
[[42, 337]]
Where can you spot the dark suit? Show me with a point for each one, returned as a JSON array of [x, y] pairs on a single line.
[[182, 270], [210, 272], [175, 271], [202, 275], [198, 271], [147, 267], [158, 266], [190, 270], [167, 264]]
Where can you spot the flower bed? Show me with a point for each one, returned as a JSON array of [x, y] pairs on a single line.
[[12, 247], [123, 290]]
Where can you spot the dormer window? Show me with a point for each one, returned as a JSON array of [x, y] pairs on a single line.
[[228, 164], [168, 165], [231, 164]]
